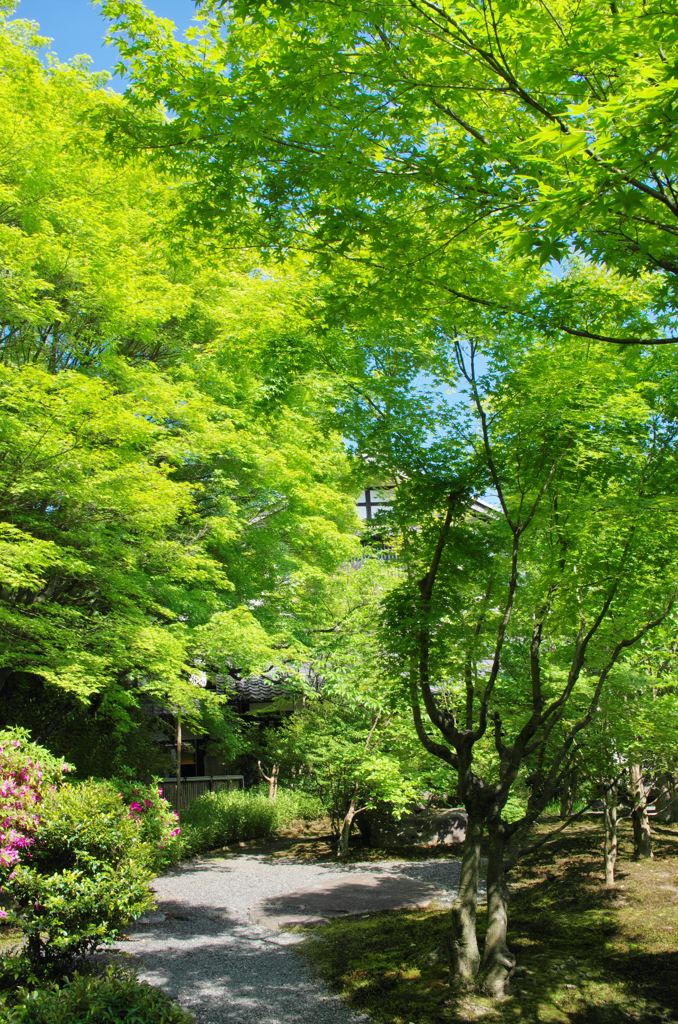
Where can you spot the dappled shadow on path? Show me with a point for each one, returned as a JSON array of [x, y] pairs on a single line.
[[361, 893], [224, 969]]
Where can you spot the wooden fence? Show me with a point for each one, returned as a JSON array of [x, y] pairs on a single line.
[[192, 788]]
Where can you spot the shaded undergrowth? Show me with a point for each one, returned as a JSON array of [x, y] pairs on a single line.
[[585, 953]]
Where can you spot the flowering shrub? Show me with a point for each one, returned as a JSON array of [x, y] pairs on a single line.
[[27, 773], [75, 859], [86, 879], [84, 821], [157, 823]]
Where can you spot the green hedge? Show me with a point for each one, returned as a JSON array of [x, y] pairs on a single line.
[[233, 816], [113, 998]]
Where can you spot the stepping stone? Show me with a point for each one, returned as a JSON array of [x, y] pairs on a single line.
[[352, 894], [151, 917]]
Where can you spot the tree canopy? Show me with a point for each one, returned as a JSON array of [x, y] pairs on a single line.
[[441, 151], [165, 483]]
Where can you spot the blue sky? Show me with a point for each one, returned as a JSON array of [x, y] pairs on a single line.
[[78, 27]]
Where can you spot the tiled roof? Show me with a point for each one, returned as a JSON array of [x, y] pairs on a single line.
[[253, 689]]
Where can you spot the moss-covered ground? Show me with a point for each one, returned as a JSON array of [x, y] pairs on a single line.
[[10, 938], [585, 953]]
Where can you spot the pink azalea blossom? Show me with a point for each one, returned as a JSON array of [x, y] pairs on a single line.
[[21, 784]]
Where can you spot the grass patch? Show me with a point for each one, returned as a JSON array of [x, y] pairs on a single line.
[[585, 953], [236, 816]]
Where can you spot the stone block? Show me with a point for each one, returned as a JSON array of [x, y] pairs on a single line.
[[419, 826]]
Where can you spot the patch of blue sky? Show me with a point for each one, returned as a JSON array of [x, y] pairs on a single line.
[[78, 27]]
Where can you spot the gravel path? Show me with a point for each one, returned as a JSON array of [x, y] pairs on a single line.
[[209, 956]]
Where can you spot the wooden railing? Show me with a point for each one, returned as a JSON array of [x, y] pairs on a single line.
[[194, 787]]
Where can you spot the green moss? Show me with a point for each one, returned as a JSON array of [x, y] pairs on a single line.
[[585, 953], [10, 938]]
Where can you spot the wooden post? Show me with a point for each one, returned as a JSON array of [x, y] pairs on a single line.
[[179, 763]]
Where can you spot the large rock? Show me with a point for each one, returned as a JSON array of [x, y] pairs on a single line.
[[420, 825]]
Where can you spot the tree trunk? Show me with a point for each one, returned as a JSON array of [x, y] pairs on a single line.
[[673, 801], [345, 834], [461, 940], [568, 794], [498, 961], [272, 780], [611, 841], [642, 835], [666, 796], [179, 765]]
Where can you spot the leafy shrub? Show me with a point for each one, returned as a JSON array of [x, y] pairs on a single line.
[[113, 998], [296, 805], [88, 876], [232, 816], [86, 820], [156, 821], [27, 772], [67, 915]]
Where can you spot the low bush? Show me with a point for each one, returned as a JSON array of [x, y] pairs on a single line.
[[295, 805], [113, 998], [27, 773], [67, 915], [85, 877], [232, 816], [85, 821], [157, 823]]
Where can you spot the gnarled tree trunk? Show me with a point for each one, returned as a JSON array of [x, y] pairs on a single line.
[[611, 841], [642, 834], [461, 940], [498, 961]]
